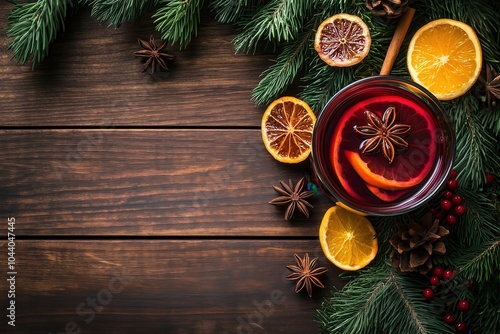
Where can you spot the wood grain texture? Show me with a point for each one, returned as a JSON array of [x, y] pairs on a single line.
[[164, 286], [147, 182], [91, 76]]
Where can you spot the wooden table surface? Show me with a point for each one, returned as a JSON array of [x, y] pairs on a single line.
[[140, 201]]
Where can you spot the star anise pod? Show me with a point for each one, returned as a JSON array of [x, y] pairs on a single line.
[[384, 134], [153, 55], [294, 197], [305, 274], [491, 82]]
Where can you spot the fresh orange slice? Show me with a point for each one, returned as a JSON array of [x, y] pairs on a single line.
[[347, 239], [342, 40], [445, 57], [287, 127]]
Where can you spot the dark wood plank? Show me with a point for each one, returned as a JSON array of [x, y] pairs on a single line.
[[91, 76], [146, 182], [164, 286]]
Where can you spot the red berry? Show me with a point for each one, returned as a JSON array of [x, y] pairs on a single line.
[[452, 185], [446, 205], [428, 293], [437, 271], [453, 174], [447, 274], [451, 219], [456, 200], [439, 216], [489, 179], [463, 305], [460, 210], [461, 327], [434, 280], [448, 194], [449, 318]]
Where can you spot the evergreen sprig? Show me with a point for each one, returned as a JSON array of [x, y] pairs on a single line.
[[177, 20], [230, 11], [284, 71], [476, 147], [380, 300], [481, 221], [277, 21], [33, 26], [482, 266], [115, 12]]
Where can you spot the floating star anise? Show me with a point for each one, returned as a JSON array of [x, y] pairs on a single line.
[[384, 134], [305, 274], [153, 55], [293, 197], [491, 82]]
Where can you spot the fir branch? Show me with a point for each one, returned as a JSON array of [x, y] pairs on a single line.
[[229, 11], [281, 74], [491, 119], [178, 20], [33, 26], [117, 11], [380, 301], [277, 21], [483, 266], [476, 148], [480, 223]]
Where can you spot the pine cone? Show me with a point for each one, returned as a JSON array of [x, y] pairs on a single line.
[[387, 8], [414, 244]]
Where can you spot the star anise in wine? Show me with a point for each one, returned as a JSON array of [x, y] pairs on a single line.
[[294, 197], [491, 82], [384, 135], [306, 274], [153, 55]]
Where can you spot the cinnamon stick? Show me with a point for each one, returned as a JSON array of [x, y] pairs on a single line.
[[397, 40]]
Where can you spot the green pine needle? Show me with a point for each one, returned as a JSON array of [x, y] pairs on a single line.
[[277, 21], [483, 266], [480, 223], [33, 26], [380, 300], [230, 11], [282, 73], [476, 148], [117, 11], [177, 21]]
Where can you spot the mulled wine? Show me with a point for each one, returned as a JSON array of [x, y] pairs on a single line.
[[382, 146]]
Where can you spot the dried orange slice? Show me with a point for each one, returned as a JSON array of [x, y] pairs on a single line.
[[287, 127], [342, 40], [347, 239], [445, 57]]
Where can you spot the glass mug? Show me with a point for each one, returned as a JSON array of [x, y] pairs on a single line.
[[382, 146]]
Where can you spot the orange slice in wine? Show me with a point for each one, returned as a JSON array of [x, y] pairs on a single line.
[[408, 169], [386, 195]]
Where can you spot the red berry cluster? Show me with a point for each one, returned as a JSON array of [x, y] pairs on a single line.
[[439, 274], [452, 204], [460, 326]]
